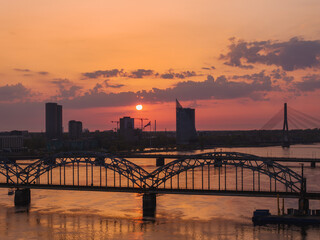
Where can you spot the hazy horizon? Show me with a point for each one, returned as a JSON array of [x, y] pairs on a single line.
[[235, 62]]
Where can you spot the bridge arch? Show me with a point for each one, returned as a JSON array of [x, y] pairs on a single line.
[[282, 174], [123, 167], [10, 170]]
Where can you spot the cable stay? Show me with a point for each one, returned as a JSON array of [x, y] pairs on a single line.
[[295, 118]]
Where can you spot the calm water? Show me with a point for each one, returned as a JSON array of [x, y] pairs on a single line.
[[95, 215]]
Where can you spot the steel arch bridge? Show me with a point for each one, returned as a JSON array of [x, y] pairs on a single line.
[[68, 165], [282, 174], [10, 170], [29, 175]]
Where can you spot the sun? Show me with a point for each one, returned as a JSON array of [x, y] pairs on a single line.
[[139, 107]]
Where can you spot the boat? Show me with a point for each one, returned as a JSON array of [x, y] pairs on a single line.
[[11, 191], [263, 216]]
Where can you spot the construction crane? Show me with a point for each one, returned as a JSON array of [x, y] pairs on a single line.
[[141, 119], [117, 122]]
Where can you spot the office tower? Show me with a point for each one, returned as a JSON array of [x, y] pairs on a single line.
[[127, 129], [126, 123], [53, 121], [185, 124], [75, 129]]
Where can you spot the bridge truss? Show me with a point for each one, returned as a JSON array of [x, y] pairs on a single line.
[[275, 172], [217, 171]]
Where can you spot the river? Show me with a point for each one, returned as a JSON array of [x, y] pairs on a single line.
[[102, 215]]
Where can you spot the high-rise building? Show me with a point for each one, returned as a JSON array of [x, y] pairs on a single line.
[[127, 130], [53, 121], [75, 129], [185, 124], [126, 123]]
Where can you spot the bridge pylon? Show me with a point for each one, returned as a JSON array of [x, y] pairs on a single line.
[[285, 129]]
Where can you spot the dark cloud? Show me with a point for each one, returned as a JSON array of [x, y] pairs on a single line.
[[309, 83], [43, 73], [181, 75], [294, 54], [221, 88], [167, 76], [140, 73], [277, 74], [96, 98], [14, 92], [21, 70], [209, 68], [260, 78], [28, 72], [66, 88], [104, 73], [96, 89], [108, 85], [61, 81]]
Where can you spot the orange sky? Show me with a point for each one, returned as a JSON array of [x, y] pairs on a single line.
[[47, 47]]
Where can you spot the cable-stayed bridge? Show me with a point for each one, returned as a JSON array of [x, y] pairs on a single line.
[[289, 116]]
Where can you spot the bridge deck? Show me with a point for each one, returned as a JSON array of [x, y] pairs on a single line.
[[313, 196], [178, 156], [172, 156]]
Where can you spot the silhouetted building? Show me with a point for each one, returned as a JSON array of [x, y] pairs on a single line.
[[126, 123], [75, 129], [127, 130], [11, 143], [185, 124], [53, 121]]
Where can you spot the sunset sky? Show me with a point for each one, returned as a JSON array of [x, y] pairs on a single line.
[[236, 62]]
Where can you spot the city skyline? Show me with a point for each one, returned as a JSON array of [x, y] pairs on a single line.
[[235, 63]]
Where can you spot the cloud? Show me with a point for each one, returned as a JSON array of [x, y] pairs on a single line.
[[309, 83], [43, 73], [21, 70], [108, 85], [167, 76], [140, 73], [296, 53], [29, 72], [104, 73], [66, 88], [277, 74], [14, 92], [221, 88], [181, 75], [96, 98], [209, 68]]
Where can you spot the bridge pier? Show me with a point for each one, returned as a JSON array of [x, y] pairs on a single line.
[[22, 197], [303, 205], [149, 203], [160, 161]]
